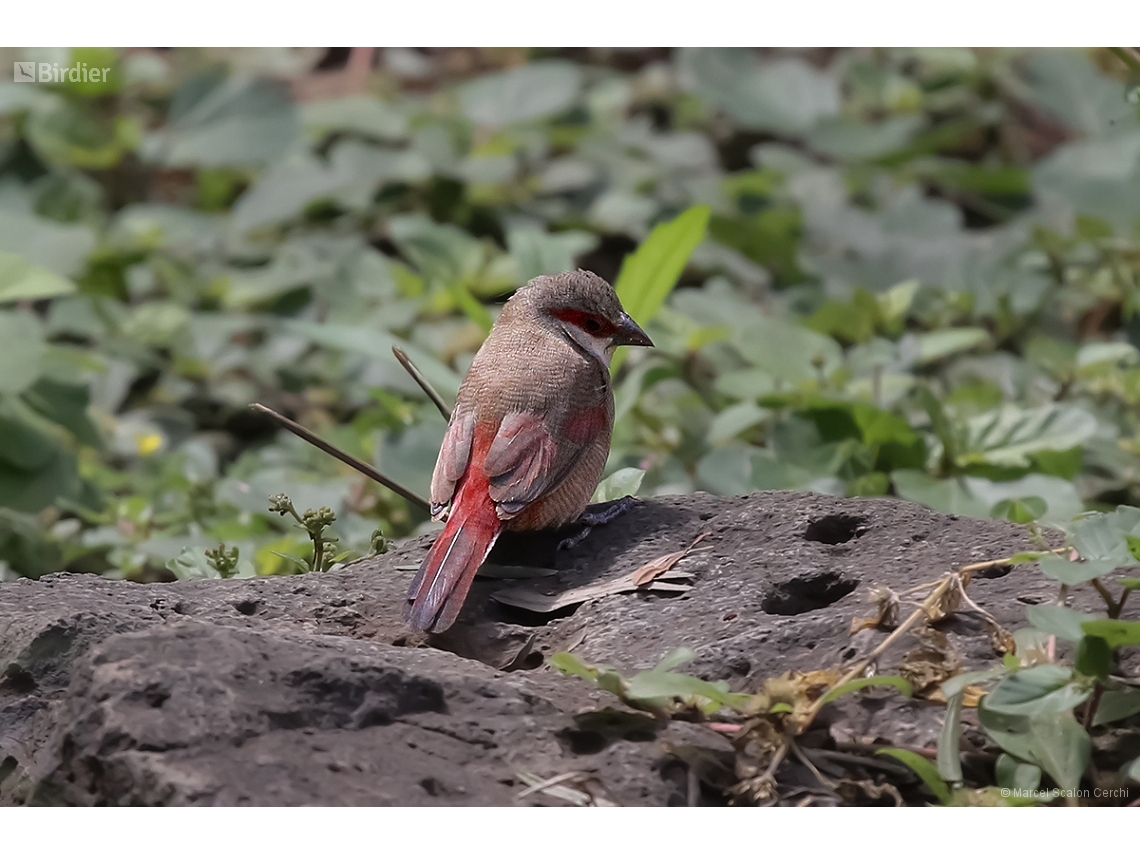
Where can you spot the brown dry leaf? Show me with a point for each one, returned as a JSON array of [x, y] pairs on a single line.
[[536, 601], [947, 603], [970, 696], [888, 615], [927, 666], [652, 569], [798, 690], [658, 576], [1002, 639]]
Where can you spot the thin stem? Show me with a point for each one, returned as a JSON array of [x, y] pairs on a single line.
[[418, 376], [1113, 606], [343, 456], [318, 551]]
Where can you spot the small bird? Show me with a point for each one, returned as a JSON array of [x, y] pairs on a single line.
[[529, 434]]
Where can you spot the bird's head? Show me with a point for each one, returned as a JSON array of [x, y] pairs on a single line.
[[583, 307]]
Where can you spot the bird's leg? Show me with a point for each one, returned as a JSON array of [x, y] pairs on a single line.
[[598, 514]]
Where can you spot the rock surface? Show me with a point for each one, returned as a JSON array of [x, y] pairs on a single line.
[[309, 689]]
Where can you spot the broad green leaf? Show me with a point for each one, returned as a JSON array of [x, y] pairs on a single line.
[[1061, 747], [378, 344], [899, 683], [1012, 774], [1116, 705], [1021, 511], [44, 245], [538, 252], [568, 663], [957, 683], [786, 96], [976, 496], [362, 114], [925, 348], [1074, 572], [680, 656], [1117, 633], [788, 352], [1094, 659], [949, 756], [923, 768], [1059, 621], [1008, 435], [1043, 690], [1101, 536], [649, 273], [22, 280], [24, 351], [736, 419], [521, 94], [624, 482], [652, 685], [237, 122]]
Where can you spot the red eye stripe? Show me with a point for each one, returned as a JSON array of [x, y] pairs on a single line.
[[593, 324]]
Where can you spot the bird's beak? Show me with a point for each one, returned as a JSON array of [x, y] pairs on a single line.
[[628, 332]]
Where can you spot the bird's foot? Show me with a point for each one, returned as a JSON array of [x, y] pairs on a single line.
[[598, 514]]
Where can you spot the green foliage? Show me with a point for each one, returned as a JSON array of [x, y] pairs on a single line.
[[891, 300], [660, 690]]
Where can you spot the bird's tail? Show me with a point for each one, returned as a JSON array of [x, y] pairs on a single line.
[[440, 587]]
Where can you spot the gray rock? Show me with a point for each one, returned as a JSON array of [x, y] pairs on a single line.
[[310, 690]]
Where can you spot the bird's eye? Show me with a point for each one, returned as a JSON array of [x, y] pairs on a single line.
[[592, 325]]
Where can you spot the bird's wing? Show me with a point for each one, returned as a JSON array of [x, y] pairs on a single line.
[[526, 460], [452, 461]]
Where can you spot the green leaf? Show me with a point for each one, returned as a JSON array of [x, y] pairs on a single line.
[[1101, 536], [236, 121], [649, 273], [866, 682], [1114, 706], [24, 350], [1012, 774], [923, 768], [1117, 633], [957, 683], [1020, 511], [932, 346], [788, 352], [1059, 621], [22, 280], [1132, 584], [1061, 747], [521, 94], [1008, 435], [1094, 659], [1074, 572], [660, 684], [949, 757], [680, 656], [1042, 690], [622, 483], [568, 663]]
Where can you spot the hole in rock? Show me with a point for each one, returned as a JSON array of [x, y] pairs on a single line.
[[807, 593], [17, 679], [247, 607], [835, 529]]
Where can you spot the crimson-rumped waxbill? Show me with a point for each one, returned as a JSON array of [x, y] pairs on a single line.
[[529, 435]]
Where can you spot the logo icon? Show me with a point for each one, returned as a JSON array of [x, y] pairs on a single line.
[[24, 72]]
